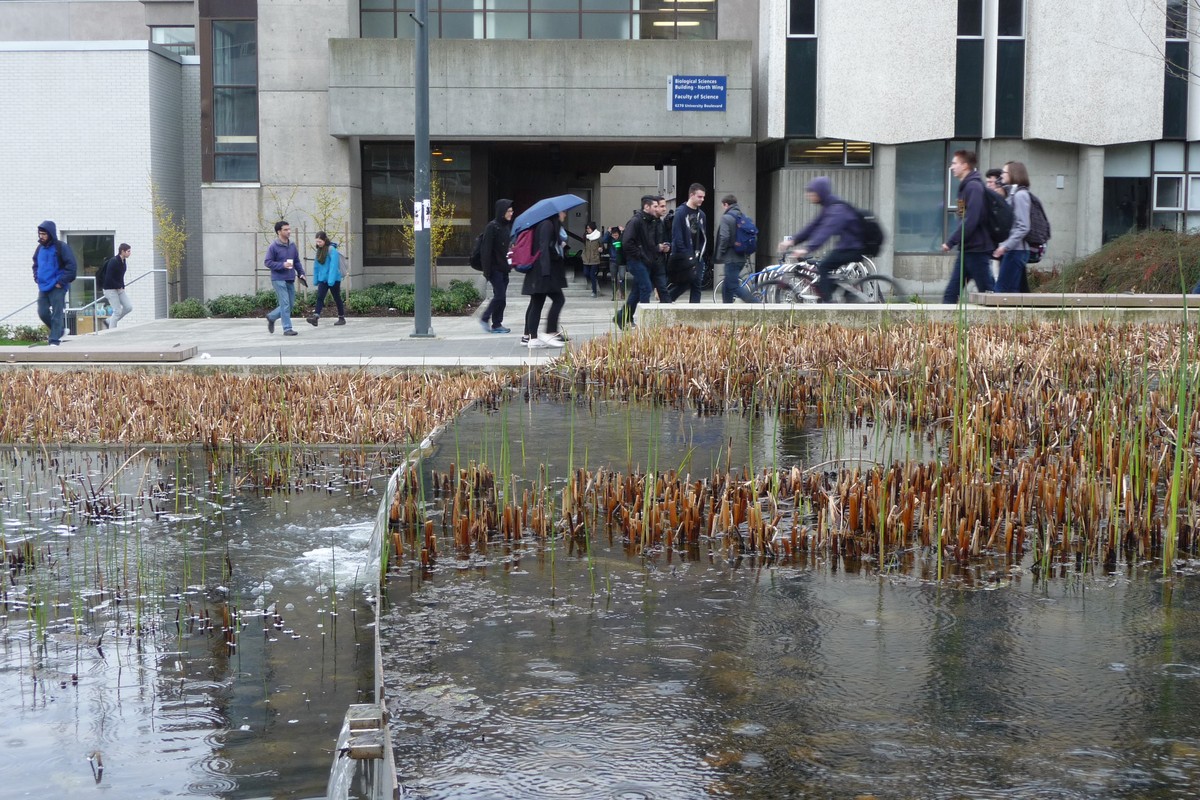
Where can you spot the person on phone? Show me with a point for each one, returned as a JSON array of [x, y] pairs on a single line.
[[286, 265]]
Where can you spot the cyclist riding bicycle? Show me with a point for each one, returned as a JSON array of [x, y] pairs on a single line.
[[837, 218]]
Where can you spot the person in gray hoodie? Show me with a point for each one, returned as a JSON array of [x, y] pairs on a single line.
[[54, 268], [724, 254], [1013, 252]]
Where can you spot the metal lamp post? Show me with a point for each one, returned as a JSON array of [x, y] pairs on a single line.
[[422, 218]]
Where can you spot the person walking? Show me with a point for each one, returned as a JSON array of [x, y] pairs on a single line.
[[283, 259], [971, 237], [639, 249], [327, 274], [54, 269], [112, 281], [546, 280], [837, 218], [616, 262], [1013, 252], [493, 254], [689, 242], [591, 256], [724, 253], [662, 236]]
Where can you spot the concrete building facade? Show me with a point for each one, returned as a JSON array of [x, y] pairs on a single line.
[[245, 111]]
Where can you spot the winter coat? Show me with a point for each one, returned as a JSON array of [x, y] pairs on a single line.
[[497, 238], [549, 274], [591, 249], [114, 273], [726, 231], [328, 271], [637, 240], [837, 218], [1020, 202], [278, 253], [971, 232], [53, 262]]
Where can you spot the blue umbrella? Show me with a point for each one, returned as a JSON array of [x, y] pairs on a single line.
[[544, 209]]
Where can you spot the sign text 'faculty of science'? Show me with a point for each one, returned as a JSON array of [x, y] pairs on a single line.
[[697, 92]]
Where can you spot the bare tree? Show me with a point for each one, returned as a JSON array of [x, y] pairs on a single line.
[[1182, 23], [170, 239]]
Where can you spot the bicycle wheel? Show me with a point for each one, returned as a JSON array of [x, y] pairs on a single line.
[[776, 292], [872, 289], [718, 288]]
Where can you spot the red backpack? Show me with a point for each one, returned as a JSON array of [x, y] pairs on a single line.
[[522, 256]]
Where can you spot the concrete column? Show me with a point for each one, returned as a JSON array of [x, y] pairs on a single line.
[[1090, 203], [883, 200], [736, 172]]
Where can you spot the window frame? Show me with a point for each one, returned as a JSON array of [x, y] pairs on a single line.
[[1181, 177], [174, 47], [816, 26], [224, 11]]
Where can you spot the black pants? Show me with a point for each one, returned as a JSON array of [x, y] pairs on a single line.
[[334, 289], [829, 265], [494, 311], [533, 314]]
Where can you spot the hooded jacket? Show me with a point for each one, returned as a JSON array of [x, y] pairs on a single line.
[[726, 230], [837, 218], [53, 262], [971, 232], [497, 236], [1018, 199], [328, 271]]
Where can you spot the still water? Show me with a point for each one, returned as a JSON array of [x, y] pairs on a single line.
[[119, 672], [532, 672]]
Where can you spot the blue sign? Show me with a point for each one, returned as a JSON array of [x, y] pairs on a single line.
[[697, 92]]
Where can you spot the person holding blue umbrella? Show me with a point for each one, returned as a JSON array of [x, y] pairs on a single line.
[[548, 276]]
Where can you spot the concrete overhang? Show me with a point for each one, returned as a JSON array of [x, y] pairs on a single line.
[[553, 89]]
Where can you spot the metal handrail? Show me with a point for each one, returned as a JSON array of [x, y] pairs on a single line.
[[92, 305]]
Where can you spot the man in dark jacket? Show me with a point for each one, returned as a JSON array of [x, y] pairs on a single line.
[[54, 268], [662, 235], [837, 218], [724, 254], [113, 284], [689, 243], [639, 249], [493, 252], [972, 238]]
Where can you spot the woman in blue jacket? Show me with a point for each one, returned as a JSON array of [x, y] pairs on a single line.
[[327, 272]]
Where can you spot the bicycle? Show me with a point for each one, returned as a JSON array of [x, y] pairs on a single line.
[[856, 282], [773, 284]]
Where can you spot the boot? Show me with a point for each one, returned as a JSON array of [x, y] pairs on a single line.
[[341, 321], [313, 319]]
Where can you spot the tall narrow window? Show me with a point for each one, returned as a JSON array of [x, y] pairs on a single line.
[[1176, 71], [235, 100], [800, 110], [1010, 69]]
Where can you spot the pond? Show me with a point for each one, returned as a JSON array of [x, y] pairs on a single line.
[[171, 628], [591, 667]]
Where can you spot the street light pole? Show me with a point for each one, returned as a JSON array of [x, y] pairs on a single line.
[[422, 219]]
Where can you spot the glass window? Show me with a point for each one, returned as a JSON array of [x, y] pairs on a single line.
[[554, 5], [554, 26], [378, 25], [235, 53], [1168, 157], [1011, 18], [388, 191], [508, 26], [829, 152], [1177, 19], [859, 154], [462, 26], [802, 18], [920, 197], [390, 5], [1168, 192], [91, 251], [605, 26], [1193, 193], [235, 100], [177, 39], [1126, 205], [970, 17], [606, 5]]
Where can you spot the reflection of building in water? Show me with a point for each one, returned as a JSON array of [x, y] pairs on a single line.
[[241, 111]]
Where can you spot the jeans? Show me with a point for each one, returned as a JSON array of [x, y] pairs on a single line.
[[51, 309], [533, 314], [334, 289], [493, 312], [733, 284], [590, 271], [829, 265], [120, 305], [1012, 268], [658, 278], [285, 291], [640, 293], [969, 267]]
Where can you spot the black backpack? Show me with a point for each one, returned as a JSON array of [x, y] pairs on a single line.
[[102, 272], [1039, 224], [997, 216], [870, 231], [477, 254]]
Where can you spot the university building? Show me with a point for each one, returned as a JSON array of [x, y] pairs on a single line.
[[239, 111]]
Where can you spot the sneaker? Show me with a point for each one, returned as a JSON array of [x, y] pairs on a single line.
[[620, 321], [341, 321], [487, 326], [56, 344], [290, 332], [549, 340], [536, 343], [524, 338], [501, 329], [312, 319], [270, 325]]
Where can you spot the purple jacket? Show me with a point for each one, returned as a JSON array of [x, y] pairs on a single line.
[[971, 231], [278, 253], [837, 218]]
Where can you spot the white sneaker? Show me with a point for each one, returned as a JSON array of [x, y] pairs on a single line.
[[551, 340], [536, 343]]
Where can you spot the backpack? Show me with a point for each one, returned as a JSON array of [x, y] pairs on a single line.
[[997, 216], [745, 235], [477, 254], [869, 230], [101, 272], [522, 256], [1039, 224]]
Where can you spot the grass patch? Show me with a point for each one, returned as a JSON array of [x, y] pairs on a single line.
[[1147, 262]]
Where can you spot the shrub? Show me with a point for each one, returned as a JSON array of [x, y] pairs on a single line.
[[265, 300], [1147, 262], [190, 308], [232, 305], [360, 302]]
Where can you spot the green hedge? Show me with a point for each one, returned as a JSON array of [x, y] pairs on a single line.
[[381, 299]]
